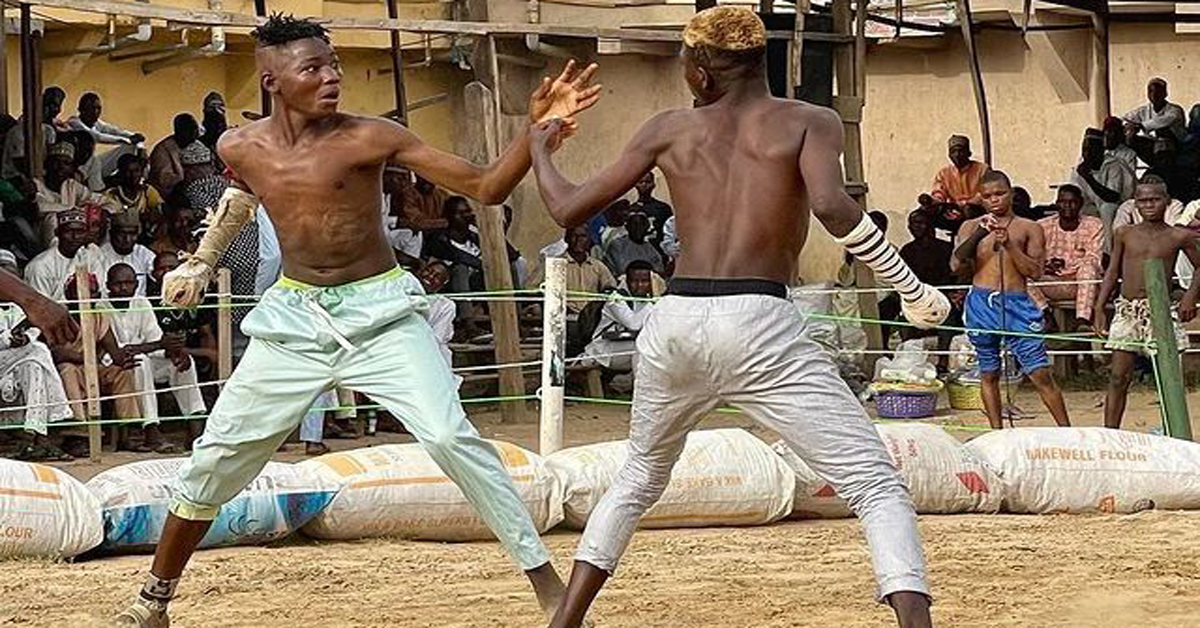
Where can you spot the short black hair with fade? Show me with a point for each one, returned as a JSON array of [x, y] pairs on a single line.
[[282, 29]]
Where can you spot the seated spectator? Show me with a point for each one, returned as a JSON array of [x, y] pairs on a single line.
[[621, 320], [426, 206], [405, 240], [585, 274], [166, 163], [1106, 182], [60, 190], [1180, 176], [929, 258], [88, 169], [1157, 118], [47, 273], [198, 165], [116, 374], [458, 246], [1074, 246], [958, 183], [177, 231], [102, 132], [27, 369], [633, 246], [14, 163], [670, 240], [656, 210], [193, 328], [433, 277], [1023, 205], [162, 359], [22, 227], [1114, 142], [122, 248], [614, 227], [517, 262], [130, 192]]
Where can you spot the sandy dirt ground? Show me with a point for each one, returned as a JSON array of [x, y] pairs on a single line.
[[987, 571]]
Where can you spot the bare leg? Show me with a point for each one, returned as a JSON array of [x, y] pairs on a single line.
[[586, 581], [548, 586], [990, 390], [912, 609], [179, 540], [1118, 387], [1051, 395]]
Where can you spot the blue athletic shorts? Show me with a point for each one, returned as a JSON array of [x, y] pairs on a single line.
[[1020, 314]]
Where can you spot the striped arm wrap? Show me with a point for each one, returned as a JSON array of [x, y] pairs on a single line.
[[867, 243]]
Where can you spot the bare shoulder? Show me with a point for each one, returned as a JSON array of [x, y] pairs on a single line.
[[1026, 225], [234, 143], [1183, 235]]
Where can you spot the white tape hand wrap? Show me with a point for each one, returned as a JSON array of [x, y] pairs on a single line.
[[184, 286], [923, 305]]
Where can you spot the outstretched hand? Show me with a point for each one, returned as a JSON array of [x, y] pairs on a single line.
[[565, 96], [549, 135]]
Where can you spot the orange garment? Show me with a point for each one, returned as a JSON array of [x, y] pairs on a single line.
[[952, 185]]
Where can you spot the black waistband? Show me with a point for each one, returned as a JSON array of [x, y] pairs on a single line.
[[690, 287]]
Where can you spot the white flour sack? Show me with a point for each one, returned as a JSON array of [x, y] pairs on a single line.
[[45, 512], [1091, 469], [942, 475], [723, 478], [136, 498], [399, 491]]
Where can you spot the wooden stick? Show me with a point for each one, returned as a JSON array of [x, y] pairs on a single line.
[[981, 105], [224, 325], [91, 374], [397, 66]]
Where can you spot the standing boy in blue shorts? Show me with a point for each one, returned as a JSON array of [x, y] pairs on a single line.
[[1003, 251]]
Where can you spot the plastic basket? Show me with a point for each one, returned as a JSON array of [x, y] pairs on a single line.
[[965, 396], [893, 404]]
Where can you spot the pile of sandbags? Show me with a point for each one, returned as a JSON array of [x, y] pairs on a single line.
[[136, 497], [723, 478], [943, 477], [399, 491], [1091, 469], [45, 512]]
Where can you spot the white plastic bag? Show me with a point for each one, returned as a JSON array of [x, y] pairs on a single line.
[[136, 498], [399, 491], [45, 512], [911, 365], [942, 476], [1091, 469], [723, 478]]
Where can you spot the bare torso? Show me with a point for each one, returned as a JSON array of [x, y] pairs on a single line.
[[323, 194], [1149, 241], [993, 268], [734, 175]]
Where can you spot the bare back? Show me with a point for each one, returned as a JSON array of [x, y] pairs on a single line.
[[323, 194], [740, 201]]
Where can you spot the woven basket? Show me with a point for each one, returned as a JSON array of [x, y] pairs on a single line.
[[965, 396], [893, 404]]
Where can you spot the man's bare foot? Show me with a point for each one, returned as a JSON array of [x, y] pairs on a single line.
[[912, 609]]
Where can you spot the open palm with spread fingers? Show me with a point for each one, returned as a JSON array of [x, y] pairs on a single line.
[[565, 96]]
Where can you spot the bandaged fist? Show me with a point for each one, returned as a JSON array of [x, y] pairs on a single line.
[[184, 286], [928, 310]]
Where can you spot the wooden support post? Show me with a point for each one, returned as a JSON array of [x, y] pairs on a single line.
[[849, 102], [224, 325], [497, 273], [1166, 353], [981, 105], [260, 10], [397, 67], [3, 62], [91, 375], [796, 54], [1100, 72], [31, 95]]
